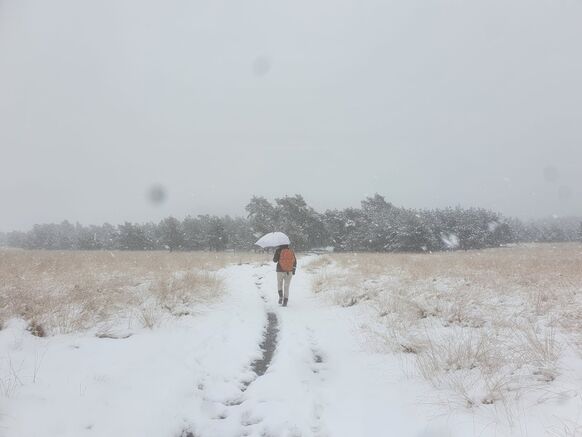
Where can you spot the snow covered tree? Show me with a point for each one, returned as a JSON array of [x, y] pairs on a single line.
[[171, 234], [192, 233], [414, 233], [377, 225], [133, 237], [152, 236], [338, 227], [65, 236], [501, 234], [262, 216], [380, 227], [213, 232], [108, 236], [87, 238], [239, 232], [300, 222], [18, 239]]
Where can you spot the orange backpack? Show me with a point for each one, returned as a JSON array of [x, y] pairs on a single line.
[[286, 260]]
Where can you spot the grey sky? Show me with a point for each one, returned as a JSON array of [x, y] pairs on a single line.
[[430, 103]]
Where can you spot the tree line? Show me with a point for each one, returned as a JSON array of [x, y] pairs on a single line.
[[377, 225]]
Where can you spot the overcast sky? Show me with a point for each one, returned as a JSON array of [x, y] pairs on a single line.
[[429, 103]]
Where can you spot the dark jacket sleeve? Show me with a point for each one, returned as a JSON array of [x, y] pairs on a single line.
[[294, 263], [277, 255]]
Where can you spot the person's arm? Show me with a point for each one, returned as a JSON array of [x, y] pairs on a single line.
[[294, 263], [277, 255]]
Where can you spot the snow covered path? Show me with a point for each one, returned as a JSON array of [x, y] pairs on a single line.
[[319, 382], [197, 376]]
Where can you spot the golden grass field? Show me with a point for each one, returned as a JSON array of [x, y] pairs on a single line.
[[485, 325], [63, 292]]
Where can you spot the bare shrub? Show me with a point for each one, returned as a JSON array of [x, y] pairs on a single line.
[[177, 293], [320, 282], [540, 349], [319, 263], [148, 316], [36, 329], [456, 350]]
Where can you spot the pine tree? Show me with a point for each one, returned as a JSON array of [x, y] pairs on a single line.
[[262, 216], [171, 234], [300, 222], [133, 237]]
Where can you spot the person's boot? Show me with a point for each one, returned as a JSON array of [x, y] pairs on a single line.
[[285, 302], [280, 297]]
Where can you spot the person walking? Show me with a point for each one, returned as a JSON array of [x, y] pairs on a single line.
[[286, 266]]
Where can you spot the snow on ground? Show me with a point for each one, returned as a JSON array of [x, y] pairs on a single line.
[[143, 385], [194, 376]]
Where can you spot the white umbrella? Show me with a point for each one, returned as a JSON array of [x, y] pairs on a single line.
[[273, 239]]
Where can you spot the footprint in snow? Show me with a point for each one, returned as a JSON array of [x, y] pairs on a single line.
[[221, 416], [248, 419], [317, 364]]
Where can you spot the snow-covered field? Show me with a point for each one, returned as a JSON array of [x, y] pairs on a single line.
[[335, 370], [496, 333]]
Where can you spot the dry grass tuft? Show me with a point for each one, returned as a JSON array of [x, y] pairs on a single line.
[[319, 263], [36, 329], [175, 293]]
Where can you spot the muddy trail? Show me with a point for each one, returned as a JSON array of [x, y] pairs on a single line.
[[268, 346]]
